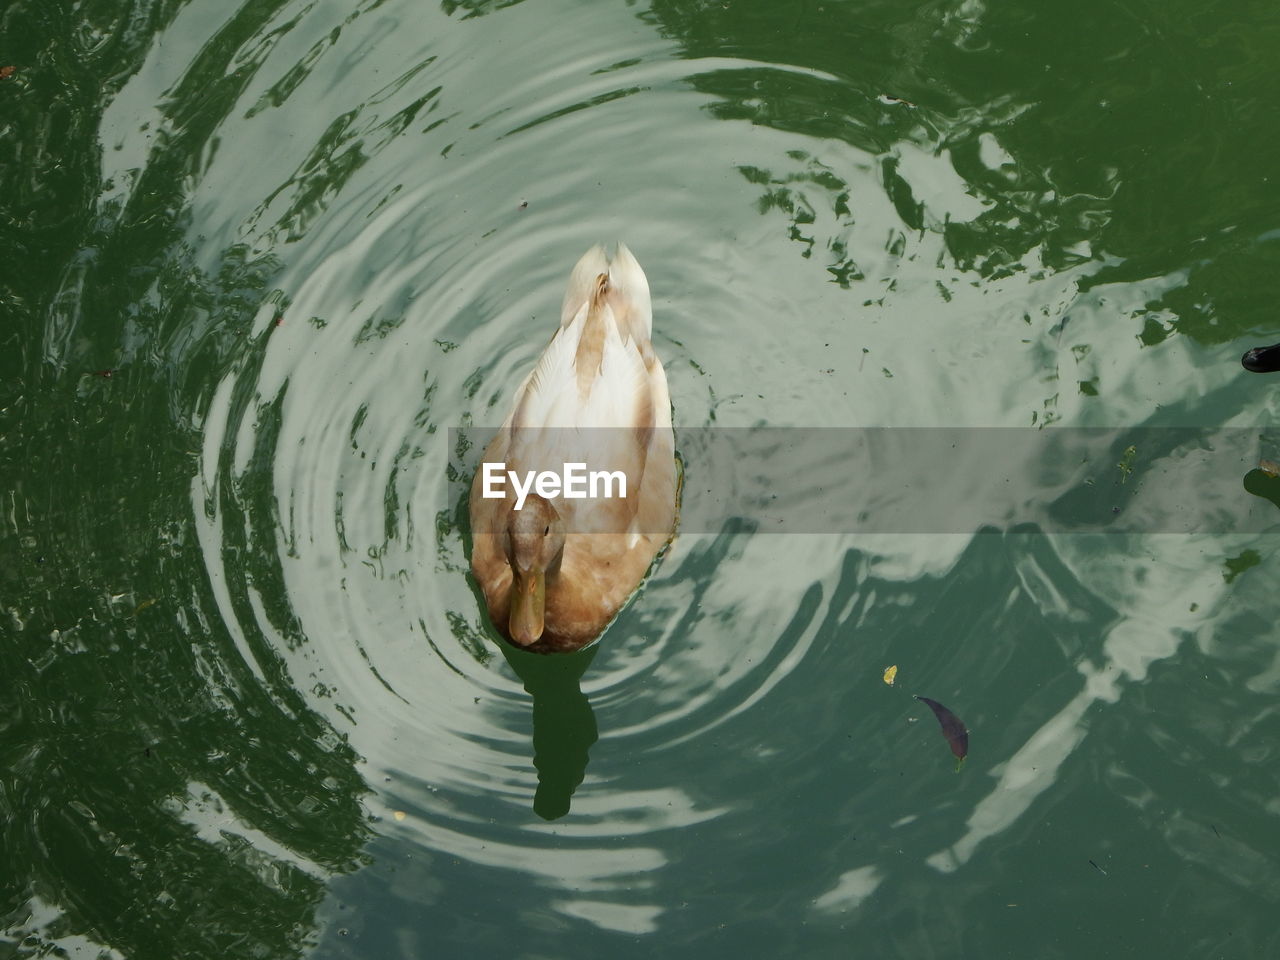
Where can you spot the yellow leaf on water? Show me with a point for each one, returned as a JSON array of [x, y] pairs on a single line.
[[890, 674], [399, 814]]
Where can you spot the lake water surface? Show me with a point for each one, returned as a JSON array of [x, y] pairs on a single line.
[[266, 266]]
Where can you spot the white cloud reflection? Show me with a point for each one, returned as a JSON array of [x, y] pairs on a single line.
[[1153, 629], [853, 887], [621, 918]]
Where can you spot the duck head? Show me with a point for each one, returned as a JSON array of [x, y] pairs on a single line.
[[534, 544]]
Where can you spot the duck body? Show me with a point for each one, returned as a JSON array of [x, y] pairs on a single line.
[[556, 567]]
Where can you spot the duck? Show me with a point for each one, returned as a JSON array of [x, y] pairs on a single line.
[[556, 561]]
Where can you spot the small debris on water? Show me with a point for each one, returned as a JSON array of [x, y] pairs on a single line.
[[1126, 464], [952, 728]]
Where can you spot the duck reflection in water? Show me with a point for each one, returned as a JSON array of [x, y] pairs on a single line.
[[564, 725]]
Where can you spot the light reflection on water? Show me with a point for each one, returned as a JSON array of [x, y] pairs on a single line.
[[800, 279]]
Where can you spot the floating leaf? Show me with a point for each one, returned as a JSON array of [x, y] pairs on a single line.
[[890, 674], [1126, 465], [952, 728]]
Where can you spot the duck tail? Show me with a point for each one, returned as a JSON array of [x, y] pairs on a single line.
[[628, 296], [582, 283]]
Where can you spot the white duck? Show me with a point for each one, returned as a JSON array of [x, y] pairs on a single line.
[[557, 570]]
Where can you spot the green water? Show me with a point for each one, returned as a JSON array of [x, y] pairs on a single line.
[[257, 262]]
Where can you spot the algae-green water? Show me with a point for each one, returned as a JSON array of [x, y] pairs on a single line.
[[262, 263]]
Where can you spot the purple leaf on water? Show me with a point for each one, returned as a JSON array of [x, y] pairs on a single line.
[[952, 728]]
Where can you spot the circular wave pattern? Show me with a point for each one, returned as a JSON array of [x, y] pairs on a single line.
[[421, 280], [404, 314], [409, 309], [325, 250]]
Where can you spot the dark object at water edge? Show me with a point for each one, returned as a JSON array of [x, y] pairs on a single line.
[[1262, 359]]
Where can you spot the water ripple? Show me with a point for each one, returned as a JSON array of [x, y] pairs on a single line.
[[417, 211]]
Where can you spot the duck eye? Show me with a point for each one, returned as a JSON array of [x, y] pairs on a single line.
[[547, 532]]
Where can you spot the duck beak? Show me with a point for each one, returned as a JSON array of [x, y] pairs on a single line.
[[528, 601]]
